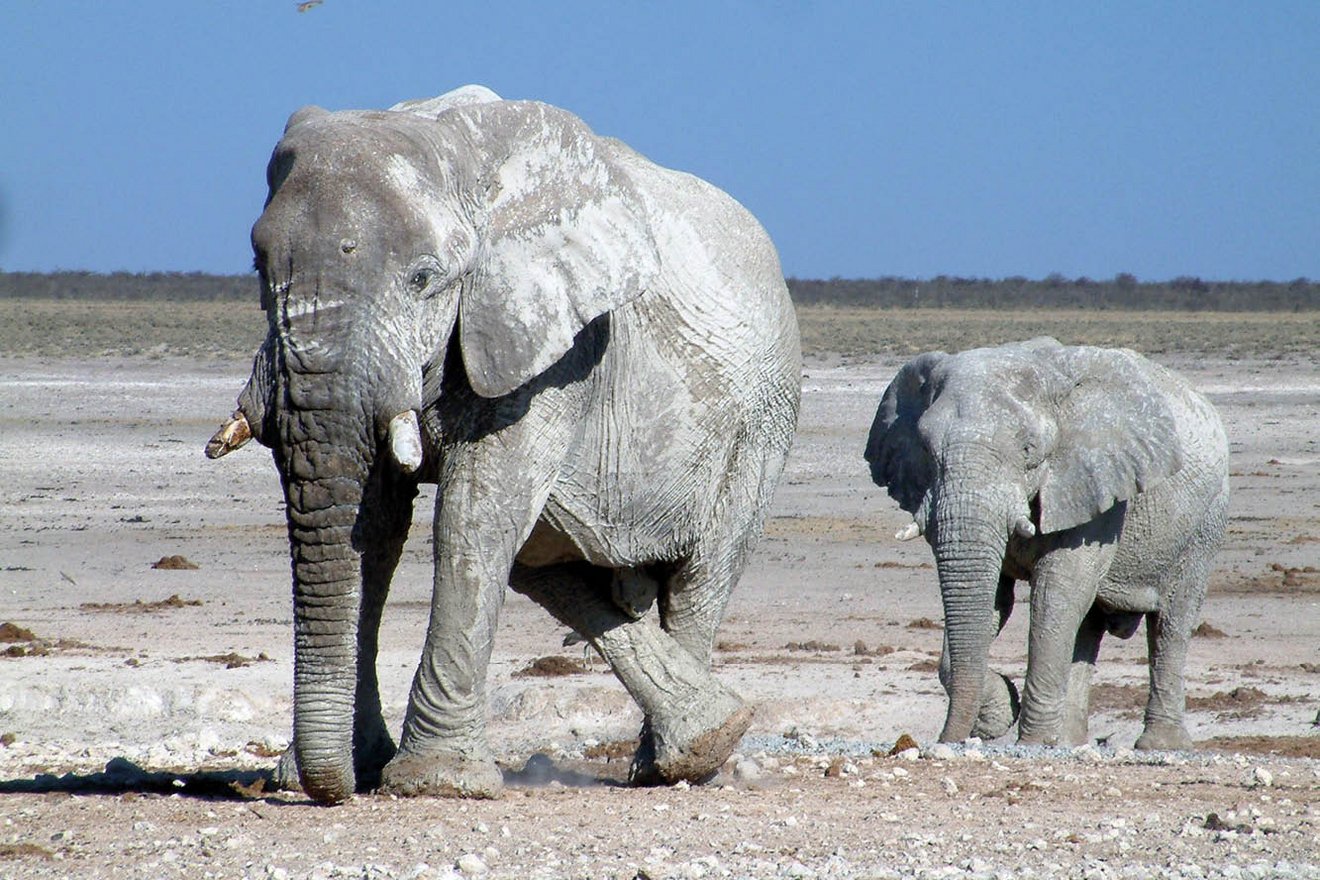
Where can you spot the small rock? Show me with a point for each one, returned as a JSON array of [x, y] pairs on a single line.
[[950, 787], [940, 752], [472, 864], [1263, 777], [911, 754], [1088, 753]]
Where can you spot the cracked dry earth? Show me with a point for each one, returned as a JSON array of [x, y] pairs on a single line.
[[145, 676]]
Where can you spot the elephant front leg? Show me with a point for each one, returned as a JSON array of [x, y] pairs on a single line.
[[693, 723], [1077, 706], [443, 750], [1063, 588]]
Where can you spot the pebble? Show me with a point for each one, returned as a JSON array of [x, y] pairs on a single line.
[[1263, 777], [940, 752], [472, 865]]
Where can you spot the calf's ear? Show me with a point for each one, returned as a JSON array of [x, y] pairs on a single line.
[[899, 459], [1116, 435]]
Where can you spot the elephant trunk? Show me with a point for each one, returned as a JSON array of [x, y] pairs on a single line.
[[969, 544], [327, 454], [341, 398]]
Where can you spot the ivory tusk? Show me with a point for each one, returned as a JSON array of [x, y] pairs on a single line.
[[232, 434], [908, 532], [1023, 528], [406, 441]]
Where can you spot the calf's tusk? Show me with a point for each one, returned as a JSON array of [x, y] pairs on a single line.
[[908, 532], [232, 434], [1024, 528], [406, 441]]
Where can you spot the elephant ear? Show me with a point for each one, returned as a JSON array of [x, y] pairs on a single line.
[[566, 239], [899, 459], [1116, 435]]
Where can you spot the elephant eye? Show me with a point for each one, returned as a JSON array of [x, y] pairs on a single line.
[[420, 279]]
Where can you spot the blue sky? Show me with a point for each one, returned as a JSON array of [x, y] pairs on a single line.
[[871, 138]]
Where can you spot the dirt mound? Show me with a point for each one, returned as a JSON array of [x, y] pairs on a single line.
[[175, 563], [551, 667], [12, 632], [137, 606]]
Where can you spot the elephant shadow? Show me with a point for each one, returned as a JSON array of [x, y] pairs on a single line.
[[122, 776]]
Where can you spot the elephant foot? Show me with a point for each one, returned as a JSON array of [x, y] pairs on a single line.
[[1164, 736], [1000, 705], [692, 747], [1038, 739], [368, 761], [442, 774]]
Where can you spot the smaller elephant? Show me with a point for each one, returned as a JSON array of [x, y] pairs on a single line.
[[1096, 475]]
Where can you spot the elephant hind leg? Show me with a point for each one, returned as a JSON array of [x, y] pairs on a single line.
[[1168, 632], [693, 723], [1167, 648]]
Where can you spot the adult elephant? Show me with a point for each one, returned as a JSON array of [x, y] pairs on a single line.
[[594, 358], [1095, 474]]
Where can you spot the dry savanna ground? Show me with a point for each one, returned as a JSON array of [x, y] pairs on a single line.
[[145, 650]]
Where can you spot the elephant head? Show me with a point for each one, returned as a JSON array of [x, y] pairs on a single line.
[[995, 448], [463, 241]]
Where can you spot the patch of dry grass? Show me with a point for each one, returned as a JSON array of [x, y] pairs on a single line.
[[86, 329], [904, 332], [71, 328]]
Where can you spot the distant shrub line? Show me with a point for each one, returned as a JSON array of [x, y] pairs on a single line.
[[1123, 292]]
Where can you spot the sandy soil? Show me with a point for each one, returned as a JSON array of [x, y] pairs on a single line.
[[139, 704]]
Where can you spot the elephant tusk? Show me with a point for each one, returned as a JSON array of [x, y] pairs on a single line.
[[232, 434], [908, 532], [1024, 528], [406, 441]]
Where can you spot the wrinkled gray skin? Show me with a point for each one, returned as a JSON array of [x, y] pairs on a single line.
[[1096, 475], [603, 360]]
